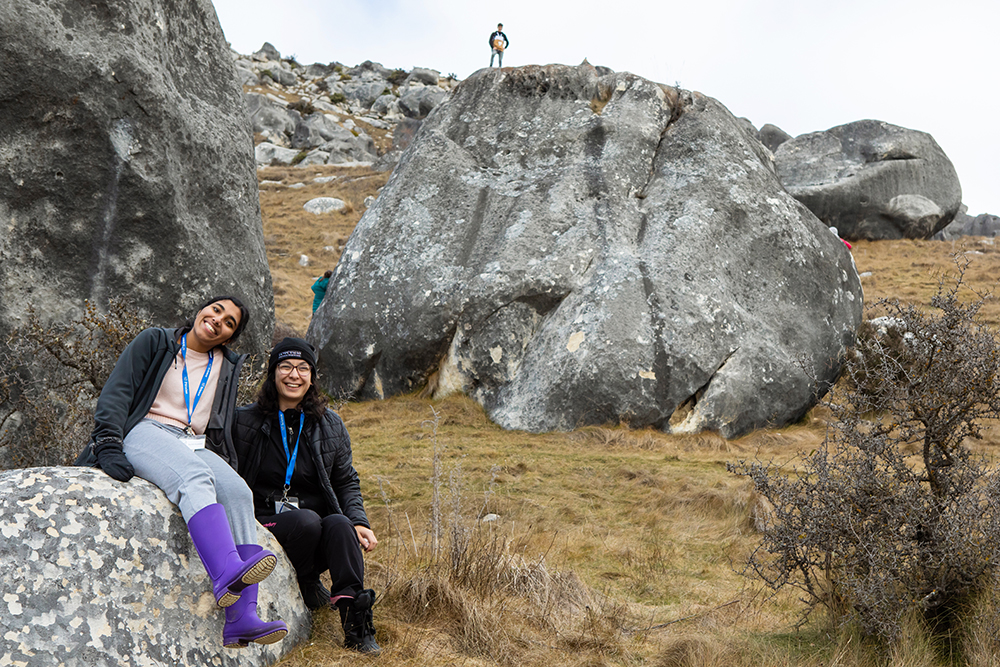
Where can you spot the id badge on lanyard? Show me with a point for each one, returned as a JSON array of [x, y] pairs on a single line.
[[288, 504]]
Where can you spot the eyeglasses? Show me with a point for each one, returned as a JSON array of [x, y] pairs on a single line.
[[286, 368]]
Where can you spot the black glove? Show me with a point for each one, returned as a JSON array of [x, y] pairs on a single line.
[[113, 461]]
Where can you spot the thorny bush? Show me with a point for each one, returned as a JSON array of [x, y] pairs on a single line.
[[51, 375], [894, 515]]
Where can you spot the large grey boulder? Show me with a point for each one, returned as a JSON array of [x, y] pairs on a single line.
[[364, 93], [984, 224], [369, 71], [316, 129], [423, 75], [386, 105], [128, 162], [418, 102], [282, 76], [772, 136], [99, 573], [872, 180], [266, 153], [267, 52], [571, 248], [268, 117], [346, 147]]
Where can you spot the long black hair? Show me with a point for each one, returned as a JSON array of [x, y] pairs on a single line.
[[240, 326], [313, 404]]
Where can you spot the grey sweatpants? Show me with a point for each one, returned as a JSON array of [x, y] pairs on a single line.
[[192, 480]]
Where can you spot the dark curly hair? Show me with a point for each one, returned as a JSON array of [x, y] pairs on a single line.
[[313, 404]]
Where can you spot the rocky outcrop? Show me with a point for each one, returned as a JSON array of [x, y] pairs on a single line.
[[984, 224], [772, 136], [97, 573], [872, 180], [571, 248], [128, 164], [374, 95]]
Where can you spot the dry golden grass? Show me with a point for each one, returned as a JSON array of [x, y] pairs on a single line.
[[611, 546], [290, 231]]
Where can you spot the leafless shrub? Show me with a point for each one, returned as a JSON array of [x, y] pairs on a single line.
[[50, 377], [894, 516]]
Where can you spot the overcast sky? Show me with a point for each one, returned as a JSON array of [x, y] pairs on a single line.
[[803, 65]]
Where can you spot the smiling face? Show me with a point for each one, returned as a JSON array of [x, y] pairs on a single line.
[[292, 378], [213, 325]]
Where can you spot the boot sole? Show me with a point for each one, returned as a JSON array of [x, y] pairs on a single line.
[[269, 638], [256, 574]]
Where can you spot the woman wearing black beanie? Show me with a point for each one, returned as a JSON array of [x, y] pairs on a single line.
[[295, 455]]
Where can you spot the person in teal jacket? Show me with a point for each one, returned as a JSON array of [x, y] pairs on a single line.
[[319, 288]]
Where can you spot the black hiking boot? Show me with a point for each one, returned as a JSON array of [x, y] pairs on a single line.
[[314, 593], [356, 617]]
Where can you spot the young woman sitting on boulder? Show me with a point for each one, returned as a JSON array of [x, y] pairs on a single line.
[[165, 414], [295, 454]]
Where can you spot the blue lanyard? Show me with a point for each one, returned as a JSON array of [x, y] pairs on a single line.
[[187, 387], [295, 452]]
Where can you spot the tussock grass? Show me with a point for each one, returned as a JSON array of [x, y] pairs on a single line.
[[290, 231], [609, 546]]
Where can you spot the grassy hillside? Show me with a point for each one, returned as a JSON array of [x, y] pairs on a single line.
[[604, 546]]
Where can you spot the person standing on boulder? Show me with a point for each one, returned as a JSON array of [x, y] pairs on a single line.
[[295, 454], [498, 44], [319, 289], [165, 414]]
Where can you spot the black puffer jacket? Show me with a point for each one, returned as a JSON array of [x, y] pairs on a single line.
[[133, 384], [329, 447]]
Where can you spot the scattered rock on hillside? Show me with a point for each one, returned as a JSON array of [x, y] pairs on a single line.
[[101, 573], [772, 136], [267, 52], [872, 180], [571, 248], [373, 93], [428, 77], [267, 153], [321, 205], [128, 164], [984, 224]]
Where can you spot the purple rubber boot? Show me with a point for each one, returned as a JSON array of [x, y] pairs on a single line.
[[242, 623], [230, 574]]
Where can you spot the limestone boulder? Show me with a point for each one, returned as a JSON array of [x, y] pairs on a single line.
[[872, 180], [423, 75], [98, 573], [128, 162], [574, 248], [772, 136], [266, 116], [418, 102], [267, 52], [984, 224], [369, 71], [364, 93], [282, 76], [266, 153]]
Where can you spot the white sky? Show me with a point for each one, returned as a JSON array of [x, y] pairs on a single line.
[[803, 65]]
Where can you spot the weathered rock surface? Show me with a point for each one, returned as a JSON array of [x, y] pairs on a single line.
[[128, 164], [984, 224], [772, 136], [571, 248], [99, 573], [872, 180]]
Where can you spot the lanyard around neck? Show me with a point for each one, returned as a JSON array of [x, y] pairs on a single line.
[[284, 441], [187, 387]]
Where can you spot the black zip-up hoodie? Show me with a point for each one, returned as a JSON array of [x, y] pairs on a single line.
[[329, 447], [133, 384]]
